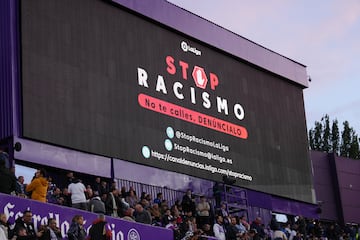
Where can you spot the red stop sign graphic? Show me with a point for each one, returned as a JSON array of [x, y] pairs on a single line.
[[199, 77]]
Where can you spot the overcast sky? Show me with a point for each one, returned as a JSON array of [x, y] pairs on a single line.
[[324, 35]]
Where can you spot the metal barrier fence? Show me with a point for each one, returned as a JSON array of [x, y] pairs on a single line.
[[169, 195]]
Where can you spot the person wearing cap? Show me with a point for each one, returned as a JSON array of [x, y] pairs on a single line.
[[7, 179], [100, 229]]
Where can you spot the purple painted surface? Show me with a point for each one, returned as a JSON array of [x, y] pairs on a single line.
[[14, 206], [63, 158], [205, 31], [348, 172], [282, 205], [324, 186]]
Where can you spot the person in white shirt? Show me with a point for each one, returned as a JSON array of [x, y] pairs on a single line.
[[218, 228], [77, 190]]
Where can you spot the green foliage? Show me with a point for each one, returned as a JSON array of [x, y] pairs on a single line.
[[335, 137], [327, 139]]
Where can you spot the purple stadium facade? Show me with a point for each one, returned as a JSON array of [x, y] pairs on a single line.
[[51, 72]]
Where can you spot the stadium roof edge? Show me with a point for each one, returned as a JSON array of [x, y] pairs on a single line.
[[204, 30]]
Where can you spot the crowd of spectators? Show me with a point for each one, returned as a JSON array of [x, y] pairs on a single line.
[[190, 218]]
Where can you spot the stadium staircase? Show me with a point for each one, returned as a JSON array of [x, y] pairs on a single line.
[[236, 200]]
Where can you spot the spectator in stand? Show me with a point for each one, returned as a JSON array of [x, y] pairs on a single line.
[[254, 235], [155, 214], [131, 188], [129, 215], [4, 227], [172, 225], [89, 193], [21, 234], [203, 211], [96, 205], [38, 186], [100, 229], [188, 202], [206, 229], [189, 227], [97, 186], [176, 214], [114, 185], [218, 228], [51, 232], [224, 213], [244, 222], [123, 192], [7, 179], [132, 199], [77, 191], [51, 185], [257, 224], [145, 203], [25, 222], [142, 215], [293, 231], [76, 230], [232, 232], [241, 228], [55, 197], [66, 196], [166, 217], [69, 178], [278, 234], [111, 204], [159, 198], [20, 187], [104, 188], [302, 226]]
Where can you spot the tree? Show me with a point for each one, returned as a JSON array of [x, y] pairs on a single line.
[[318, 136], [335, 137], [326, 146], [345, 140], [311, 139], [327, 139], [354, 146]]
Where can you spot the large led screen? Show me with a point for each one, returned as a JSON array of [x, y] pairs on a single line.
[[101, 79]]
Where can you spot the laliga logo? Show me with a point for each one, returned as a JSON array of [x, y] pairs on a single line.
[[199, 76], [186, 47]]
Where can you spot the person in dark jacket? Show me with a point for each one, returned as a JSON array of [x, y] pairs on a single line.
[[51, 231], [7, 179], [100, 230], [24, 227], [76, 230], [142, 215]]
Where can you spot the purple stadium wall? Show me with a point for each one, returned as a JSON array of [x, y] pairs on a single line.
[[336, 182], [348, 172]]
